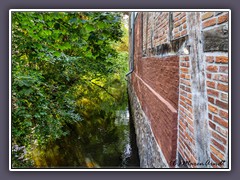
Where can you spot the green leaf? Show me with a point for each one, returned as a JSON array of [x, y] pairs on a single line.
[[67, 45], [57, 54], [88, 54], [101, 25], [89, 27]]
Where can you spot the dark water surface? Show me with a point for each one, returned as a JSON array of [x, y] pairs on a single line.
[[107, 142]]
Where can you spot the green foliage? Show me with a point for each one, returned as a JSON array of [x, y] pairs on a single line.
[[53, 55]]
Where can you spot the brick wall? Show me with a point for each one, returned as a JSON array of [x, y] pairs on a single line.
[[179, 24], [215, 81], [186, 135], [181, 63], [155, 82], [217, 88], [155, 30], [161, 29]]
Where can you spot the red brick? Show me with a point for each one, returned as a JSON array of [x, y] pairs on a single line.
[[219, 137], [218, 145], [210, 115], [188, 89], [221, 121], [212, 68], [222, 104], [223, 78], [210, 22], [212, 92], [181, 108], [185, 70], [187, 145], [190, 121], [191, 129], [211, 84], [184, 26], [221, 59], [182, 98], [210, 59], [211, 100], [207, 15], [182, 103], [212, 109], [188, 101], [223, 18], [223, 69], [186, 154], [182, 75], [186, 82], [215, 159], [217, 152], [175, 30], [189, 108], [184, 32], [222, 131], [188, 114], [189, 96], [187, 76], [189, 138], [209, 76], [182, 125], [222, 87], [183, 20], [223, 114], [180, 130], [212, 125], [186, 58], [185, 64], [193, 159], [177, 35], [177, 24]]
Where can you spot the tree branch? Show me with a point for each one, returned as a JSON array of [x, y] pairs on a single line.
[[104, 89]]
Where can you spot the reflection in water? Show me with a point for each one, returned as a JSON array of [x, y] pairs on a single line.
[[105, 142]]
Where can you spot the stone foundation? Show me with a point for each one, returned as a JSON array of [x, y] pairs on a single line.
[[150, 153]]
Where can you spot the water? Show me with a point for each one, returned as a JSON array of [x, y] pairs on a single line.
[[104, 142]]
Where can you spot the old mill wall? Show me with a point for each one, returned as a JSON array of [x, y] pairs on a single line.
[[179, 88]]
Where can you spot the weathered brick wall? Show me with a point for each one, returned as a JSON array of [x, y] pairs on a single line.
[[213, 49], [179, 24], [216, 59], [186, 135], [181, 81], [150, 154], [161, 29], [155, 82], [155, 30], [160, 105], [217, 89]]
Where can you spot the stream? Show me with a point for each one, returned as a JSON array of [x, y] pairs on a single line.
[[109, 142]]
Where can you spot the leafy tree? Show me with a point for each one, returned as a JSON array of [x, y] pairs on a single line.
[[53, 55]]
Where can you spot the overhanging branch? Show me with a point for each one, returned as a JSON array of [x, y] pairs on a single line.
[[103, 88]]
